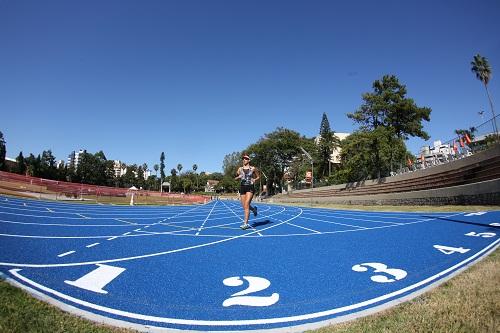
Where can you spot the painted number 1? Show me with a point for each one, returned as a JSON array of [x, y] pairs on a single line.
[[255, 284]]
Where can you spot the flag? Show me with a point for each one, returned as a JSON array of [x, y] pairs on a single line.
[[467, 139]]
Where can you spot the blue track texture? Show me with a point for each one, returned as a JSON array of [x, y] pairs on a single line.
[[193, 268]]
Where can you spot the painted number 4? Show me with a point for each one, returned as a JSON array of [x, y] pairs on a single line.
[[395, 273], [255, 284], [450, 250]]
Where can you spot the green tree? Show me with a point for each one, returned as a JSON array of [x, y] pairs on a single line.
[[129, 178], [33, 165], [482, 69], [48, 165], [274, 153], [186, 184], [173, 179], [388, 107], [230, 165], [361, 160], [109, 167], [327, 141], [3, 151], [21, 164], [179, 167], [162, 166]]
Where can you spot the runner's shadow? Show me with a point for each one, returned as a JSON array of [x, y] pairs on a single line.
[[258, 224], [464, 222]]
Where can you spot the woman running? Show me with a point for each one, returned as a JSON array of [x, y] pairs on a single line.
[[247, 175]]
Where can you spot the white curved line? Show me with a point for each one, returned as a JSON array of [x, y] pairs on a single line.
[[146, 255], [277, 320]]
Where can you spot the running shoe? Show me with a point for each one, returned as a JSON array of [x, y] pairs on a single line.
[[254, 210], [244, 226]]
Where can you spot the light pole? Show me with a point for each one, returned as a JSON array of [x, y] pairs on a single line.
[[312, 171]]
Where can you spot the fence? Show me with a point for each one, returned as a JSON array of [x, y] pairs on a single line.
[[41, 188], [481, 137], [478, 138]]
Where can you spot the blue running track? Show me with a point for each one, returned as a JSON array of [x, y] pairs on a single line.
[[193, 268]]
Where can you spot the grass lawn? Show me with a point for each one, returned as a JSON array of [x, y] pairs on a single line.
[[469, 302]]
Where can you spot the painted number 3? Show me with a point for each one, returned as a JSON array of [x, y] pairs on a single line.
[[395, 273], [255, 284]]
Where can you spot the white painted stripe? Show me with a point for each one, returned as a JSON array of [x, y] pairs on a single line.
[[120, 220], [50, 210], [92, 245], [66, 225], [231, 210], [136, 230], [65, 254], [115, 237], [97, 279], [85, 217], [298, 226], [330, 222], [127, 233], [308, 316], [206, 219], [151, 254]]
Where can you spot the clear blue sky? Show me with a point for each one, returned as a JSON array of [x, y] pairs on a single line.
[[202, 79]]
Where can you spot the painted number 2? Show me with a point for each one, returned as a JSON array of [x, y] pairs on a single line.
[[395, 273], [255, 284]]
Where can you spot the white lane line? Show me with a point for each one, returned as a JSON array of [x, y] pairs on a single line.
[[206, 219], [136, 230], [231, 210], [85, 217], [50, 210], [128, 233], [323, 221], [258, 232], [355, 219], [120, 220], [298, 226], [92, 245], [150, 255], [439, 277], [115, 237], [65, 254], [65, 225]]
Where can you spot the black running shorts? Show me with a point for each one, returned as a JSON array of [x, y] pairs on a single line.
[[247, 188]]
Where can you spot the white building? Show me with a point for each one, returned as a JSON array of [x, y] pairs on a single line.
[[335, 155], [120, 169], [75, 158]]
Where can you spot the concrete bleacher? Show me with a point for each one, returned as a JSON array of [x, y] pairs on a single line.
[[471, 180]]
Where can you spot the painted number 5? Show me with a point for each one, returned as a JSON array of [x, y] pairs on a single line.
[[255, 284], [396, 273]]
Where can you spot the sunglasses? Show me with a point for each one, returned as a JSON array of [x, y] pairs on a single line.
[[246, 158]]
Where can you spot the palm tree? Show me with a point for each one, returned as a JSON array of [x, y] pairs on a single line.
[[156, 167], [482, 69], [179, 167], [195, 167]]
